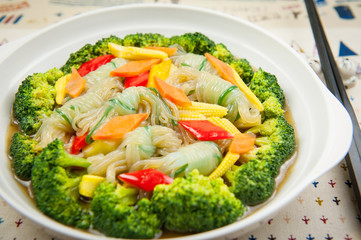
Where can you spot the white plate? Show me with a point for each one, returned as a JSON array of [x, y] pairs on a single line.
[[324, 127]]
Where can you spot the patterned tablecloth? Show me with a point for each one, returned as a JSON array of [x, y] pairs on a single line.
[[327, 209]]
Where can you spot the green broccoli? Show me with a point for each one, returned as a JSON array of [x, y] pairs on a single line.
[[35, 99], [115, 215], [264, 85], [88, 52], [276, 142], [243, 68], [221, 52], [272, 108], [196, 204], [145, 40], [193, 43], [55, 182], [23, 149], [252, 182], [101, 46]]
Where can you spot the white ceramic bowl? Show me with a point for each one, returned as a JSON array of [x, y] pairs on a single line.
[[323, 126]]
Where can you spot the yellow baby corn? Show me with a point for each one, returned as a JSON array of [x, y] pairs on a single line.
[[60, 88], [225, 124], [190, 115], [135, 53], [160, 70], [227, 162], [249, 94], [207, 109], [88, 184]]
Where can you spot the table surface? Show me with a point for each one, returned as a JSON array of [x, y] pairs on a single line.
[[327, 208]]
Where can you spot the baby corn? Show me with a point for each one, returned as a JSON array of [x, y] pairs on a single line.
[[227, 162], [225, 124], [190, 115], [135, 53], [207, 109]]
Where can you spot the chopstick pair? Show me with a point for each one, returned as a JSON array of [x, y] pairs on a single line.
[[335, 85]]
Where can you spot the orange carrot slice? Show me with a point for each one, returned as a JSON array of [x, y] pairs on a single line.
[[75, 85], [120, 125], [134, 68], [168, 50], [242, 143], [172, 93], [223, 68]]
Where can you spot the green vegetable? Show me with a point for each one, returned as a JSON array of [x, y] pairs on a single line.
[[23, 149], [221, 52], [265, 85], [196, 204], [116, 215], [55, 182], [253, 182], [243, 68], [272, 108], [35, 99], [277, 142], [146, 40], [89, 52], [193, 43]]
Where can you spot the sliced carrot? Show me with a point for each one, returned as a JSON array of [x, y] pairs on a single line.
[[76, 84], [120, 125], [134, 68], [168, 50], [223, 68], [172, 93], [242, 143]]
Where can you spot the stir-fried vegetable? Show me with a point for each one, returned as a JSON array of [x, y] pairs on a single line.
[[120, 125], [172, 93], [156, 133], [204, 130], [134, 68], [94, 64], [76, 84], [146, 179]]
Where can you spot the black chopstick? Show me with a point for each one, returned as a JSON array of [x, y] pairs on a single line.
[[335, 85]]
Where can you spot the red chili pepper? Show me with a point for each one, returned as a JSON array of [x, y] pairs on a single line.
[[94, 64], [78, 144], [204, 130], [137, 81], [146, 179]]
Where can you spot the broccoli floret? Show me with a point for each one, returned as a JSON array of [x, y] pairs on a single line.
[[272, 108], [101, 46], [243, 68], [88, 52], [194, 43], [196, 204], [276, 142], [23, 149], [35, 99], [252, 182], [264, 85], [55, 182], [145, 40], [221, 52], [116, 216]]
